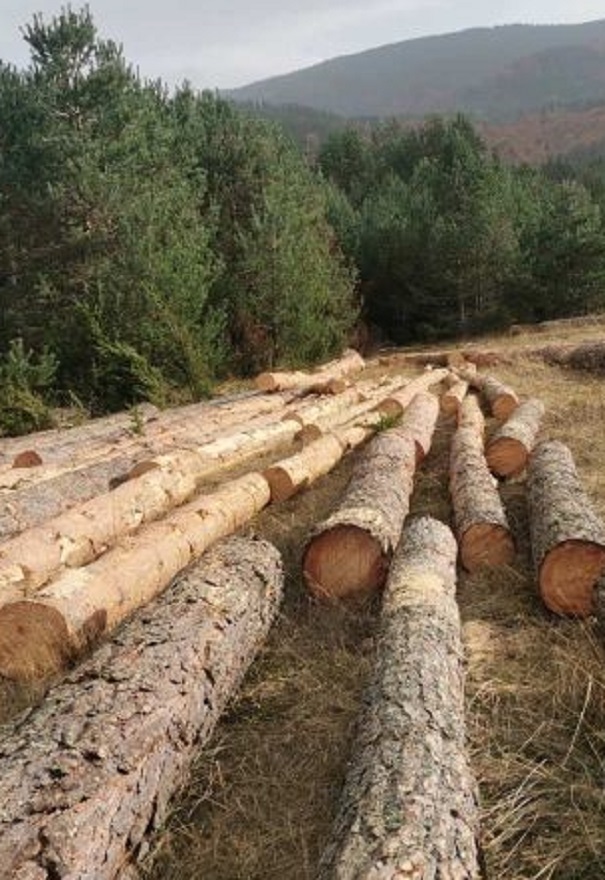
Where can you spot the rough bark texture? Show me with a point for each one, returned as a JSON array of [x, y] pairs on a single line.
[[409, 806], [480, 521], [501, 399], [508, 449], [567, 537], [471, 416], [350, 362], [39, 635], [451, 400], [394, 405], [88, 775], [419, 420], [349, 553]]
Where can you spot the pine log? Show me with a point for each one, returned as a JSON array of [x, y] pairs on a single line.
[[312, 413], [419, 420], [88, 775], [409, 805], [481, 526], [509, 448], [349, 553], [42, 634], [567, 536], [451, 400], [471, 416], [156, 486], [350, 362], [293, 474], [395, 405], [501, 399]]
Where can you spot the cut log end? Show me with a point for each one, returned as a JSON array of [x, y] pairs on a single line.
[[504, 406], [343, 562], [486, 544], [281, 484], [27, 459], [506, 457], [568, 577], [33, 641]]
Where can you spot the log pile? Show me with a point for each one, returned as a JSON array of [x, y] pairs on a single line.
[[409, 806], [567, 537], [86, 778]]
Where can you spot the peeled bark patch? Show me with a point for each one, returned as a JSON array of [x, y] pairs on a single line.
[[567, 537], [88, 775], [419, 422], [481, 525], [349, 553], [83, 604], [408, 808], [508, 450]]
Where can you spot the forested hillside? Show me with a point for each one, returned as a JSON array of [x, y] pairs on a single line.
[[490, 73], [154, 242]]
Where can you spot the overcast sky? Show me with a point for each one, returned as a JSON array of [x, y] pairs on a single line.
[[225, 44]]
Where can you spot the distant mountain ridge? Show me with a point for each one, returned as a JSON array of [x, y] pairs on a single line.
[[495, 74]]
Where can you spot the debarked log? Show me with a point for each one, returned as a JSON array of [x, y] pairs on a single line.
[[567, 536], [501, 399], [87, 776], [42, 634], [349, 553], [395, 405], [409, 806], [419, 420], [509, 448], [480, 521]]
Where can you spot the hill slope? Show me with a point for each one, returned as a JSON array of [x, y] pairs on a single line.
[[494, 73]]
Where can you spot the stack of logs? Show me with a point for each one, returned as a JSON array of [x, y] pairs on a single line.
[[87, 777]]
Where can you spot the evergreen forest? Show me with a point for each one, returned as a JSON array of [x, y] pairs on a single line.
[[153, 242]]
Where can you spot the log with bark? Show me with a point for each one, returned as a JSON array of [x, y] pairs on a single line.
[[349, 553], [501, 399], [509, 448], [470, 415], [419, 421], [567, 536], [395, 404], [451, 400], [481, 526], [409, 805], [87, 776], [43, 633], [350, 362]]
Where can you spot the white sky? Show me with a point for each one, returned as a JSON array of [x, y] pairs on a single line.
[[231, 43]]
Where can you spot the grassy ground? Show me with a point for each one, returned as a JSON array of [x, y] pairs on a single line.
[[262, 797]]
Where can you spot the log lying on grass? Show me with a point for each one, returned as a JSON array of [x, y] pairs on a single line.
[[481, 526], [509, 448], [88, 775], [500, 398], [395, 404], [350, 362], [42, 634], [349, 553], [471, 416], [567, 537], [409, 807], [451, 400], [419, 420]]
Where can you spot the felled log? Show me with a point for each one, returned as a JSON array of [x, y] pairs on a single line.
[[349, 553], [419, 420], [409, 806], [395, 404], [155, 487], [451, 400], [350, 362], [567, 536], [291, 475], [509, 448], [471, 416], [42, 634], [87, 776], [481, 526], [500, 398]]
